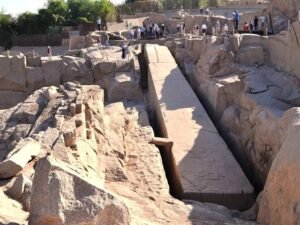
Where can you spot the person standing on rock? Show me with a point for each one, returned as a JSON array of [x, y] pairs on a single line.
[[236, 19], [99, 23], [204, 29], [207, 11], [150, 29], [197, 30], [163, 29], [262, 22], [183, 28], [213, 31], [246, 27], [255, 23], [251, 26], [138, 35], [123, 51], [143, 32], [131, 34], [218, 27], [225, 29], [126, 24]]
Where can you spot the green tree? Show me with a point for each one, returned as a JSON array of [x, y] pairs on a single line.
[[27, 23], [6, 29], [58, 10], [73, 10], [203, 3], [215, 3], [107, 9], [45, 20]]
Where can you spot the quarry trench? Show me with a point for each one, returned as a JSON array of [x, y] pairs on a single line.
[[206, 170]]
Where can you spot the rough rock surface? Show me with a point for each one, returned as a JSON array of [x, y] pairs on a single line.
[[12, 75], [93, 150], [249, 103], [279, 203], [11, 211], [67, 194]]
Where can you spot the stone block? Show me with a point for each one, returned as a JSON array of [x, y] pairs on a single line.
[[19, 157], [251, 55], [123, 86], [52, 72], [35, 78], [68, 195]]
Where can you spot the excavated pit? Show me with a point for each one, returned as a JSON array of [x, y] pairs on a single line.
[[250, 101], [199, 166]]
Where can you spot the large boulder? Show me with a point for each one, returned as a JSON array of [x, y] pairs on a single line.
[[107, 63], [62, 196], [52, 72], [35, 78], [123, 86], [217, 61], [77, 42], [11, 98], [251, 55], [76, 69], [280, 202], [11, 211], [13, 73], [287, 7], [20, 190], [19, 157], [33, 59]]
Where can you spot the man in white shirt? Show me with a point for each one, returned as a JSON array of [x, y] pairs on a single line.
[[204, 28], [225, 29], [99, 23], [218, 27], [138, 33]]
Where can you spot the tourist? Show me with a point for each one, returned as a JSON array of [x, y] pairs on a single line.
[[218, 27], [158, 31], [262, 21], [183, 28], [213, 31], [138, 35], [178, 27], [251, 26], [246, 27], [236, 19], [207, 11], [99, 23], [131, 34], [126, 24], [150, 29], [106, 37], [204, 29], [123, 51], [196, 30], [255, 23], [49, 51], [225, 28], [163, 28], [142, 32]]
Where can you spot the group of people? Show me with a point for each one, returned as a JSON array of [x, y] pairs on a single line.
[[180, 27], [216, 29], [150, 31], [257, 24]]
